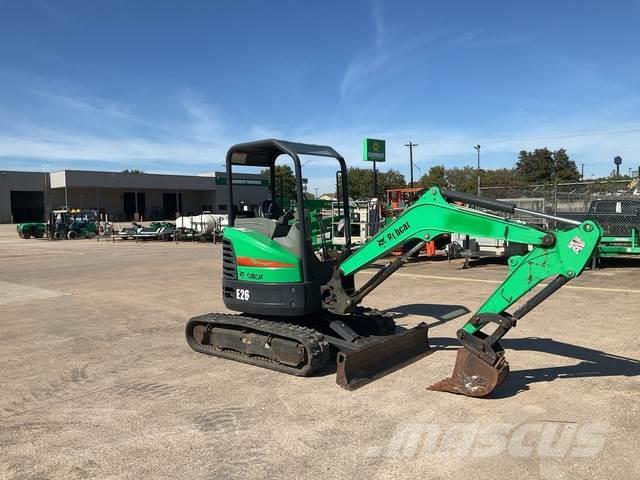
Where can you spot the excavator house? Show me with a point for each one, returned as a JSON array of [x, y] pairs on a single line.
[[299, 307]]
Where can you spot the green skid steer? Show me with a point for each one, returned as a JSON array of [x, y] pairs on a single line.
[[300, 306]]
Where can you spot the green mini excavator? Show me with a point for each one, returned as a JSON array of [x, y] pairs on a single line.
[[300, 307]]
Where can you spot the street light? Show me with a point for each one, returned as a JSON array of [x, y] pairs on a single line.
[[477, 147]]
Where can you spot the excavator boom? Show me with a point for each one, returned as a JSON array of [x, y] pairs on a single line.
[[561, 254]]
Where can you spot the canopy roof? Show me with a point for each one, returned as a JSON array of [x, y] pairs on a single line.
[[263, 153]]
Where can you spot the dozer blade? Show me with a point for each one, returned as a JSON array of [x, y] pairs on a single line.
[[473, 376], [356, 368]]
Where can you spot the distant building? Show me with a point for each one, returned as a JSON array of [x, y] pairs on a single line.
[[328, 196], [27, 196]]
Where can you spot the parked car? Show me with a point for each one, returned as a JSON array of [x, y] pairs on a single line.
[[156, 231], [616, 216]]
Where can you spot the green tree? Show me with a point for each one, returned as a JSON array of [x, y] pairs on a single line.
[[285, 181], [132, 171], [543, 165], [463, 179], [466, 179], [360, 182], [500, 177], [390, 179], [436, 177]]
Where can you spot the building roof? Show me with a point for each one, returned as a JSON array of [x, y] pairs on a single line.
[[146, 181]]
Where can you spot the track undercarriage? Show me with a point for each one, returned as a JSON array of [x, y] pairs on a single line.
[[364, 343]]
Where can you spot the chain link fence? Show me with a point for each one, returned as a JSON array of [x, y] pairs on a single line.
[[615, 204]]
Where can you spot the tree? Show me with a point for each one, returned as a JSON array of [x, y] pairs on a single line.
[[285, 181], [501, 177], [460, 179], [437, 177], [463, 179], [360, 181], [565, 169], [542, 165], [132, 171], [389, 180]]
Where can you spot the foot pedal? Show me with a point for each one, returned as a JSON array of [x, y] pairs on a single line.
[[356, 368], [473, 376]]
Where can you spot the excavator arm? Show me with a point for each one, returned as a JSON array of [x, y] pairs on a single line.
[[561, 254]]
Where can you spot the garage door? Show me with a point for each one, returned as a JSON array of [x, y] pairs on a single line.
[[27, 206]]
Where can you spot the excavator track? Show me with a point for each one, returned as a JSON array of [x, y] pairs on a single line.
[[284, 347]]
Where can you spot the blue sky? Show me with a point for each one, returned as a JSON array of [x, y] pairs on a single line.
[[168, 86]]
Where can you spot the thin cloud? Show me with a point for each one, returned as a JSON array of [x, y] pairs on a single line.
[[83, 104], [378, 20], [204, 120], [51, 12], [78, 146], [198, 136], [364, 65]]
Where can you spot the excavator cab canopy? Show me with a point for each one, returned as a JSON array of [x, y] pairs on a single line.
[[263, 153]]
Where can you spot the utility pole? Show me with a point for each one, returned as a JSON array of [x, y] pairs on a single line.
[[411, 145], [477, 147], [45, 192], [375, 180], [582, 172]]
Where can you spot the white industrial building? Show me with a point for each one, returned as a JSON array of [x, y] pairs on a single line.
[[26, 196]]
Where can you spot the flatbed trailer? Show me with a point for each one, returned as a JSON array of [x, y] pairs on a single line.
[[613, 246], [620, 220]]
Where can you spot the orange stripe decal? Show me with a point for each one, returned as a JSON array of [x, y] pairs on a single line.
[[257, 262]]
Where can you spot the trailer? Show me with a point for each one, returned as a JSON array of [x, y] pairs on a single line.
[[620, 220]]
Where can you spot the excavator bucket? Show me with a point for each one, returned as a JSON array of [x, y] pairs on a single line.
[[473, 376], [357, 367]]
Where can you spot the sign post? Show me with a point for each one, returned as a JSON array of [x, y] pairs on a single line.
[[373, 150]]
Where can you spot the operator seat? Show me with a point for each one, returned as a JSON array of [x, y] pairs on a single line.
[[267, 222]]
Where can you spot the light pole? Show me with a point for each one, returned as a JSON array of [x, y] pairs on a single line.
[[411, 145], [477, 147]]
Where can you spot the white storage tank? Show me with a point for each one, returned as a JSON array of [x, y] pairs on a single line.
[[204, 223]]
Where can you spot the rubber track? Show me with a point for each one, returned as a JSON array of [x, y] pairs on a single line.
[[317, 348]]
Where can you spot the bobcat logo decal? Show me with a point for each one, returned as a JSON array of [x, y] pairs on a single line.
[[576, 244]]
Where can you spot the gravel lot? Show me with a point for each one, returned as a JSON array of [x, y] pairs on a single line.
[[97, 381]]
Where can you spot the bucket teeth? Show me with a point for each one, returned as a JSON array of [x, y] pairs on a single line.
[[473, 376]]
